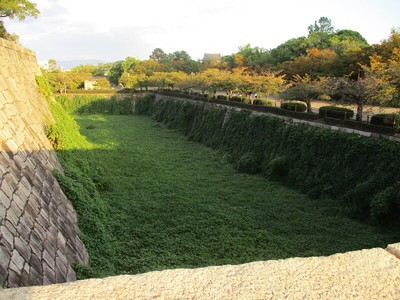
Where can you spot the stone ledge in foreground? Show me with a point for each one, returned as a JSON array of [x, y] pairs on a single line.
[[364, 274]]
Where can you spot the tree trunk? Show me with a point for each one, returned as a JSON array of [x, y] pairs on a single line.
[[360, 106], [308, 102]]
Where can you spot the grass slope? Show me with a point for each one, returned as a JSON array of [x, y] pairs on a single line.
[[175, 203]]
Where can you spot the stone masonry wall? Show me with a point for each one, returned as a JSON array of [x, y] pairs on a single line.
[[38, 225]]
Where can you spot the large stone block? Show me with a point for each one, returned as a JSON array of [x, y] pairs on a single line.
[[23, 248], [7, 236]]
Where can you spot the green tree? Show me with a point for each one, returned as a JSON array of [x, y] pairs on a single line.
[[305, 89], [159, 55], [148, 67], [289, 50], [84, 69], [19, 9], [102, 83], [51, 65], [254, 56], [181, 61], [128, 81], [323, 25]]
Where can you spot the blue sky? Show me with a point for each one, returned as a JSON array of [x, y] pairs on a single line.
[[111, 30]]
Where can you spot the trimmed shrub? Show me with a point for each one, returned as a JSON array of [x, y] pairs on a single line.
[[388, 120], [262, 101], [294, 106], [237, 99], [222, 97], [336, 112]]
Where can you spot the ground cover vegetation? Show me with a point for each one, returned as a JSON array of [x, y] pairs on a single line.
[[360, 171], [148, 198]]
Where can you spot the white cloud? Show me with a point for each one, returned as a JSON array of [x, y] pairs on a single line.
[[98, 29]]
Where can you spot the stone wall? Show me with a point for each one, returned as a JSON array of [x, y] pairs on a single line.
[[290, 120], [38, 225]]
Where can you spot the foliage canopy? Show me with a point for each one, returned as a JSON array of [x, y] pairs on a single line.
[[19, 9]]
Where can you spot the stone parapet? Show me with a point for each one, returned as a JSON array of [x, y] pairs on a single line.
[[364, 274]]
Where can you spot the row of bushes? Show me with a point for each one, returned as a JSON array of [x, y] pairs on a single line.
[[362, 172], [296, 109], [260, 108]]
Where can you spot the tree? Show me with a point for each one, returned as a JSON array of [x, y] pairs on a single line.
[[384, 77], [371, 88], [159, 55], [289, 50], [102, 83], [270, 83], [181, 61], [323, 25], [51, 65], [305, 89], [84, 69], [393, 71], [167, 79], [3, 31], [128, 81], [5, 35], [19, 9], [115, 72], [385, 49], [232, 61], [254, 56], [316, 63], [148, 67]]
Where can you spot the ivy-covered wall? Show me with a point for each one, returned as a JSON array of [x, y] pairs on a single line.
[[361, 172]]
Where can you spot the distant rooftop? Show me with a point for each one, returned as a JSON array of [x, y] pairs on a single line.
[[212, 57]]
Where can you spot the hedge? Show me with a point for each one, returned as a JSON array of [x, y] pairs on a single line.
[[262, 101], [294, 106], [91, 104], [388, 120], [362, 172], [237, 99], [357, 125], [336, 112]]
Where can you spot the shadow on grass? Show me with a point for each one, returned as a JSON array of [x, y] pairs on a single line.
[[149, 199]]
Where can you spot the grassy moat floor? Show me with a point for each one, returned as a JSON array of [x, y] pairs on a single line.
[[173, 203]]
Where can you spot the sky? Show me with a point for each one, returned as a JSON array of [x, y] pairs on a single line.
[[109, 31]]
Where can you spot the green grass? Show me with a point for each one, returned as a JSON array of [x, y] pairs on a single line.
[[174, 203]]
